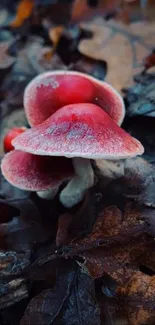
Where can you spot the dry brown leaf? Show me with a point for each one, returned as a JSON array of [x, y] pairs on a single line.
[[113, 225], [24, 11], [112, 228], [139, 297], [114, 262], [123, 47]]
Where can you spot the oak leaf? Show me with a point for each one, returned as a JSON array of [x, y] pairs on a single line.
[[122, 46], [112, 227], [139, 299]]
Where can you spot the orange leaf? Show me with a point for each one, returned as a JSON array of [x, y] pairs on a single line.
[[55, 35], [24, 11]]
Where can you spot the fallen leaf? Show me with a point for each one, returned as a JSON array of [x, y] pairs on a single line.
[[112, 227], [43, 58], [6, 212], [95, 68], [81, 306], [117, 244], [13, 263], [19, 234], [114, 262], [140, 98], [6, 60], [70, 37], [72, 301], [5, 16], [63, 226], [44, 308], [142, 128], [23, 67], [139, 181], [55, 35], [83, 9], [24, 11], [122, 47], [149, 61], [108, 170], [13, 286], [118, 261], [13, 292], [139, 295]]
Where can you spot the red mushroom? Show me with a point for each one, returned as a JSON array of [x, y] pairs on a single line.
[[50, 91], [36, 173], [82, 132], [11, 134]]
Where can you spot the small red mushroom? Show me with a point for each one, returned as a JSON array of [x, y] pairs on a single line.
[[50, 91], [12, 133], [81, 132], [36, 173]]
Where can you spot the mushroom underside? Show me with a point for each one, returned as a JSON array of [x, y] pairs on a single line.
[[53, 90], [36, 173]]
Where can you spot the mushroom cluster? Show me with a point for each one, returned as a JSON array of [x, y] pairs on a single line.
[[74, 118]]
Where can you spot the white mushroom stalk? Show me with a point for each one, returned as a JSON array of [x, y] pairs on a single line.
[[75, 190], [48, 194]]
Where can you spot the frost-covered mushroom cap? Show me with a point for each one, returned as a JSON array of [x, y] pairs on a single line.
[[79, 130], [35, 173], [50, 91]]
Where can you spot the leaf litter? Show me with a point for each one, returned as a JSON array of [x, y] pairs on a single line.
[[93, 264]]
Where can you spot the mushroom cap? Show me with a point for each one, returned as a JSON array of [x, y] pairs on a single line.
[[50, 91], [35, 173], [10, 135], [79, 130]]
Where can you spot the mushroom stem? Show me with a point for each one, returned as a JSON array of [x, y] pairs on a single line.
[[75, 190], [48, 194]]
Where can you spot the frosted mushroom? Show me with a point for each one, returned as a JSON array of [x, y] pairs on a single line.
[[10, 135], [36, 173], [81, 132], [50, 91]]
